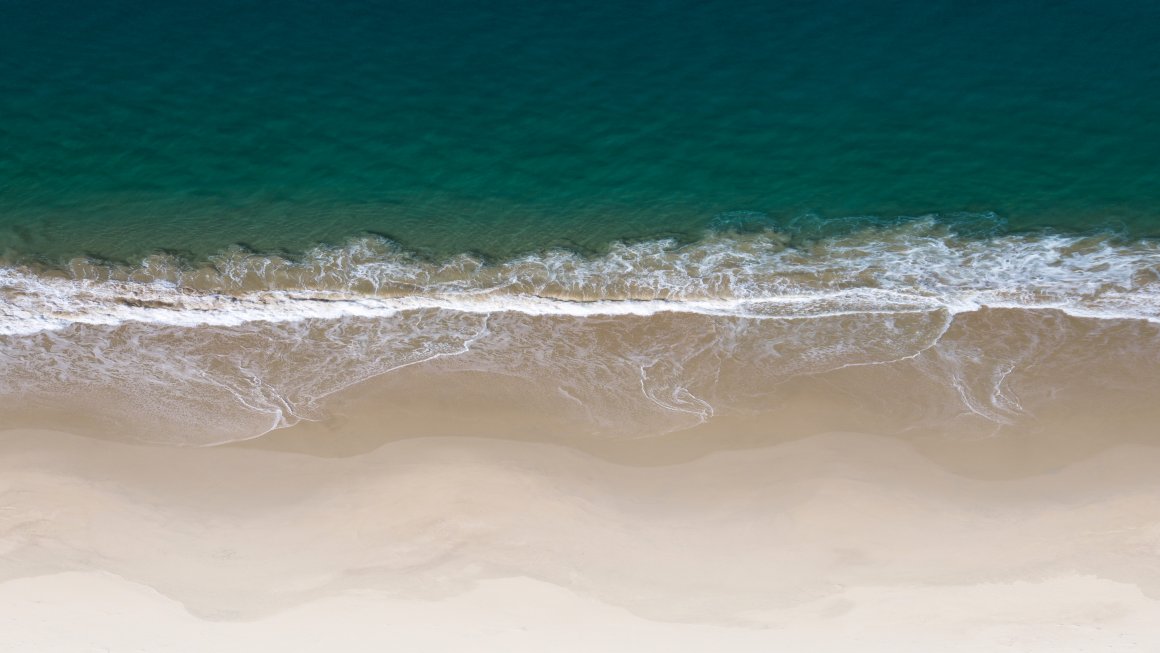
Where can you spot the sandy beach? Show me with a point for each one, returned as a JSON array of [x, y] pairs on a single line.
[[760, 531]]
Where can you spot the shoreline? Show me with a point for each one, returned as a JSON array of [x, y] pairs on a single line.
[[1000, 374]]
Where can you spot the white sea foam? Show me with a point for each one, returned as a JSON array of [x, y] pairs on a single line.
[[915, 268]]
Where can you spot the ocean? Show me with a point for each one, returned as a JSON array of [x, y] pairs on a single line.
[[507, 128]]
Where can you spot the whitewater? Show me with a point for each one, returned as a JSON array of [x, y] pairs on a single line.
[[913, 268]]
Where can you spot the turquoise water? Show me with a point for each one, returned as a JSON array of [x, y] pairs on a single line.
[[504, 128]]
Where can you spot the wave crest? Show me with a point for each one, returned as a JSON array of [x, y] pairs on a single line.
[[916, 267]]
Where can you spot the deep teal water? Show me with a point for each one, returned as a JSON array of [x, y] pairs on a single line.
[[499, 128]]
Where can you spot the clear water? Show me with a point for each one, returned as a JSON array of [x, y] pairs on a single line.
[[504, 128]]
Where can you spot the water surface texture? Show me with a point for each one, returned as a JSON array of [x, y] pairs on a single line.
[[502, 128]]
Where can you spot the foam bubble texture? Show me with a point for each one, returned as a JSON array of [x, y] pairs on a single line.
[[912, 268]]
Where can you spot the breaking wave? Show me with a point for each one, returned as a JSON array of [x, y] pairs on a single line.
[[916, 267]]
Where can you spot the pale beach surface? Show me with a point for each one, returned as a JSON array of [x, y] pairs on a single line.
[[834, 541], [994, 489]]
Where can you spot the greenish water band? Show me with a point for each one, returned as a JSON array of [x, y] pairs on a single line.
[[503, 128]]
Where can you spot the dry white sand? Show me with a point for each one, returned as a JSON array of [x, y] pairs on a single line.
[[836, 542]]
